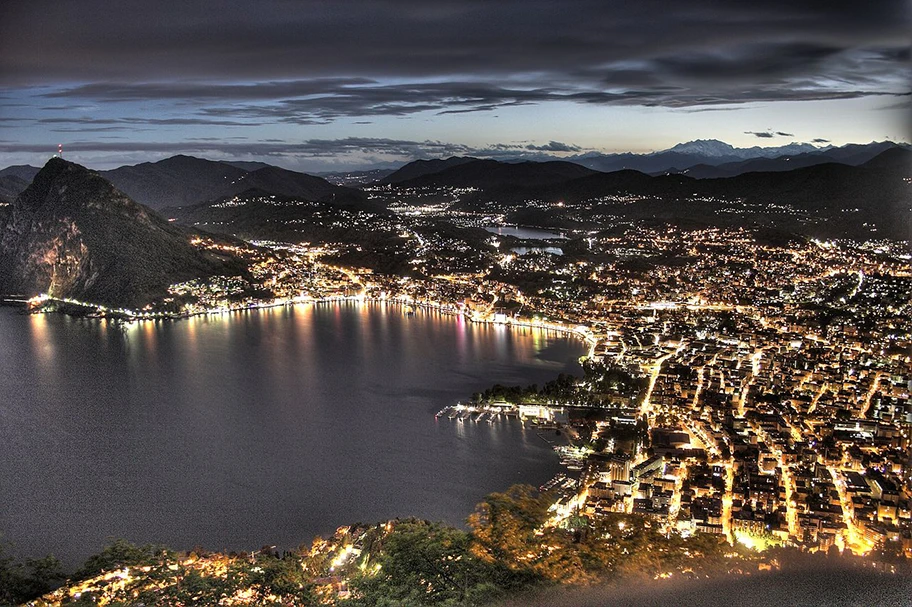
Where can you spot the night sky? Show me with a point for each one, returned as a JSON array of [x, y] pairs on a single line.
[[327, 85]]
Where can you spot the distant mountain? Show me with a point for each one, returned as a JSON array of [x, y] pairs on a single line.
[[178, 180], [247, 165], [649, 163], [73, 234], [485, 174], [185, 180], [898, 159], [420, 168], [731, 161], [11, 186], [713, 148], [756, 165], [14, 179], [836, 199], [852, 155], [25, 172], [284, 183], [855, 154]]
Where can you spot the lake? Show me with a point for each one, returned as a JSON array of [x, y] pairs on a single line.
[[255, 428], [525, 233], [548, 250]]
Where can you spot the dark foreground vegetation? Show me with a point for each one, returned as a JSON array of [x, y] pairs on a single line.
[[513, 547], [515, 551]]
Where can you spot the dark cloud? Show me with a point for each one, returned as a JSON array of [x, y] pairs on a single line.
[[310, 62], [97, 129], [308, 148], [256, 90], [247, 105], [768, 134], [241, 147], [904, 103], [554, 146], [819, 140], [91, 122]]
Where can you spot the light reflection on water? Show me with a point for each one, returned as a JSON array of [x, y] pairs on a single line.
[[265, 427]]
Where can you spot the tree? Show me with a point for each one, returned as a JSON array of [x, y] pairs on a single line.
[[504, 526], [422, 563], [119, 554], [20, 582]]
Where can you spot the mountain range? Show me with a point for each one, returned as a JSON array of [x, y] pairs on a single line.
[[185, 180], [873, 199], [729, 161], [72, 233], [829, 199], [485, 174]]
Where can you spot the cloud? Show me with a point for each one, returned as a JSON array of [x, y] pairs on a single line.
[[322, 102], [90, 122], [295, 153], [97, 129], [768, 134], [311, 62], [819, 140], [554, 146], [904, 103]]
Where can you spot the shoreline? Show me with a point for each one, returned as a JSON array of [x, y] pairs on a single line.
[[37, 305]]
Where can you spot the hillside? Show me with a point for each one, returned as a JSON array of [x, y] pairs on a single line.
[[185, 180], [831, 199], [25, 172], [283, 182], [420, 168], [711, 158], [11, 186], [174, 181], [487, 174], [72, 234]]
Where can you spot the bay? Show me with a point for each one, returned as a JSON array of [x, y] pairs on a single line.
[[255, 428]]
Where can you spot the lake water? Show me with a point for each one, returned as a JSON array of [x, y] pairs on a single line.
[[253, 428], [525, 233], [527, 250]]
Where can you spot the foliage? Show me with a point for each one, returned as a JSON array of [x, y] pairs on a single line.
[[512, 528], [22, 581], [423, 563], [600, 385], [515, 544], [119, 554], [504, 525]]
